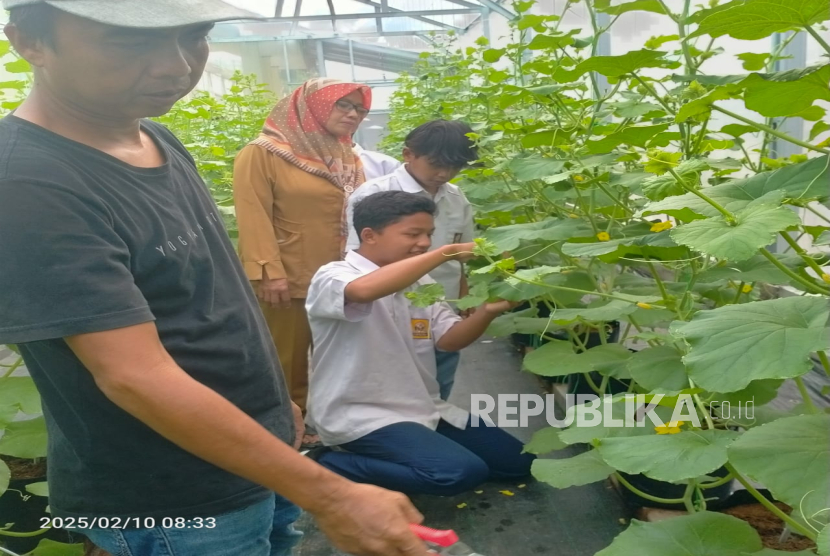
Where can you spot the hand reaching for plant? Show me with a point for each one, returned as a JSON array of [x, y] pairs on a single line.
[[367, 520]]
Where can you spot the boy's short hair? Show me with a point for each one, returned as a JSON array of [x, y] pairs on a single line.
[[444, 143], [383, 209], [36, 22]]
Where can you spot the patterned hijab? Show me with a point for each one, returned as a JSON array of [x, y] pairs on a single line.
[[295, 131]]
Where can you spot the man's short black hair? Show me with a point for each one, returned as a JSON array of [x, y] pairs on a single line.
[[382, 209], [444, 143], [36, 22]]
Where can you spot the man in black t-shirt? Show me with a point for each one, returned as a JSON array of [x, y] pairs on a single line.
[[161, 389]]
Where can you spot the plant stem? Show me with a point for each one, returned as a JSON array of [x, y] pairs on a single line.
[[717, 483], [681, 27], [696, 149], [740, 291], [822, 356], [793, 524], [728, 215], [657, 97], [805, 395], [13, 367], [660, 285], [817, 213], [804, 255], [811, 287], [706, 416], [642, 494], [5, 533], [687, 496], [770, 130], [818, 38]]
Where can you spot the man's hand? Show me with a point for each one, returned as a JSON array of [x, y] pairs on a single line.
[[299, 425], [499, 307], [274, 292], [365, 520], [460, 251]]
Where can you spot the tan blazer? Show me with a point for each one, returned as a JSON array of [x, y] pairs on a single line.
[[289, 220]]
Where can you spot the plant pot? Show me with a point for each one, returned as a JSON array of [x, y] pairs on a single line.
[[716, 497], [26, 510]]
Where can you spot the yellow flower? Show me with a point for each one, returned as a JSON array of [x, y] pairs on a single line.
[[572, 215], [747, 288], [603, 236], [672, 427], [461, 506], [826, 277], [642, 305], [660, 226], [579, 178], [507, 493]]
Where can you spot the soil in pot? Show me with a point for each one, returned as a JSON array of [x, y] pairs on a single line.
[[715, 497], [770, 527], [26, 510]]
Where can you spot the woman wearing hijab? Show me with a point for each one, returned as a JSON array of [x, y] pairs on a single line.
[[291, 185]]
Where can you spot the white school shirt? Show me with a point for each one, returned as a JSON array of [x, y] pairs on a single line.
[[375, 164], [373, 364], [453, 220]]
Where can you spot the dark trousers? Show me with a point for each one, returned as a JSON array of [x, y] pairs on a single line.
[[413, 459]]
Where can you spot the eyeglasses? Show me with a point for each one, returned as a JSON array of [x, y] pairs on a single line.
[[346, 106]]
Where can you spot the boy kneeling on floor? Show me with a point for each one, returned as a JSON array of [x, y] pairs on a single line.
[[373, 392]]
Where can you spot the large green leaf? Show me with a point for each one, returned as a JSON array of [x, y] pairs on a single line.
[[545, 441], [25, 439], [703, 104], [584, 469], [20, 391], [754, 269], [629, 245], [823, 541], [632, 135], [732, 346], [5, 477], [638, 5], [48, 547], [759, 392], [660, 187], [791, 457], [669, 457], [755, 227], [801, 182], [756, 19], [773, 98], [38, 489], [510, 237], [615, 66], [526, 169], [605, 312], [698, 534], [659, 369], [616, 421], [557, 358], [544, 42]]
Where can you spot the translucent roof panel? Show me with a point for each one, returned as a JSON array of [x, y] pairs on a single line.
[[344, 18]]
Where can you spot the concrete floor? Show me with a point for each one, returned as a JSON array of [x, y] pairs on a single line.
[[537, 519]]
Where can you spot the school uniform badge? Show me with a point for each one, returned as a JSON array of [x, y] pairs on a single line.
[[420, 329]]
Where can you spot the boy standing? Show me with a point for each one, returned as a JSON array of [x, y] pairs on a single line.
[[434, 153], [373, 393]]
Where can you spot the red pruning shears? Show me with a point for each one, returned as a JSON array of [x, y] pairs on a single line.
[[445, 543]]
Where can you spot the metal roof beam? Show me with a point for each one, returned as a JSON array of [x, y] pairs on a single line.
[[384, 7], [412, 14], [498, 8], [260, 38]]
